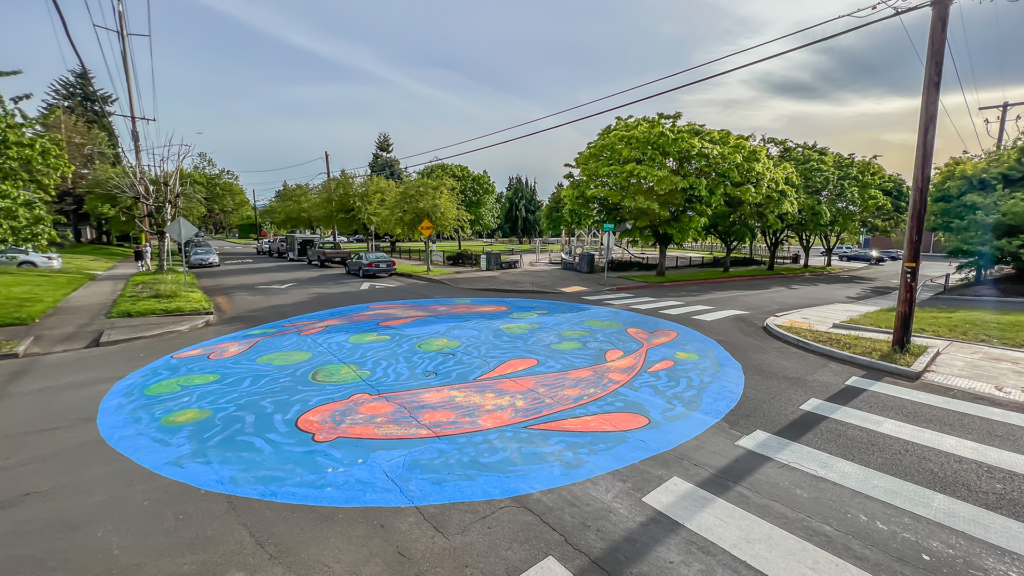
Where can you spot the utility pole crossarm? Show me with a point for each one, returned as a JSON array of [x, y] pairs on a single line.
[[999, 106], [1004, 108]]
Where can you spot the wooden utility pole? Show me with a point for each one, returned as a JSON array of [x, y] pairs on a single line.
[[256, 214], [327, 160], [904, 326], [122, 31], [1005, 108]]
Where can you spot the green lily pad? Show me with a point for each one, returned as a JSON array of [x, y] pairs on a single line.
[[686, 356], [368, 338], [523, 315], [462, 301], [602, 324], [186, 416], [172, 385], [284, 358], [575, 333], [263, 331], [338, 374], [567, 345], [438, 344], [518, 328]]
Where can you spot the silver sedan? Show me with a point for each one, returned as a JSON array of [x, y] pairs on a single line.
[[202, 257], [374, 263], [25, 258]]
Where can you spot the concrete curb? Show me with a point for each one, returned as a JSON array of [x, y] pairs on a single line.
[[914, 372], [735, 279], [507, 290], [114, 336], [858, 328], [18, 350], [979, 298]]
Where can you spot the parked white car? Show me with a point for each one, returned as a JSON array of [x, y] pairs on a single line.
[[841, 249], [25, 258]]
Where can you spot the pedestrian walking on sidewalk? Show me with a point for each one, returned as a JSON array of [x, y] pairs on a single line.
[[140, 257], [147, 256]]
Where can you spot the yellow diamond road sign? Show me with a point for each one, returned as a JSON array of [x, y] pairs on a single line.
[[427, 228]]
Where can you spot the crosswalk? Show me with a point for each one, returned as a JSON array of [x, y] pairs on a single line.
[[662, 306], [775, 551]]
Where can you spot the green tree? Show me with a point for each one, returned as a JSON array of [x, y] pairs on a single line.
[[418, 199], [478, 196], [851, 203], [224, 202], [977, 206], [521, 213], [336, 200], [651, 171], [72, 95], [33, 165], [294, 207], [553, 217], [383, 161]]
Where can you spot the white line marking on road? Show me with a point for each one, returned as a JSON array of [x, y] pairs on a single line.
[[630, 300], [685, 309], [368, 285], [764, 546], [977, 522], [606, 296], [235, 261], [278, 285], [939, 441], [548, 567], [720, 314], [656, 304], [940, 401]]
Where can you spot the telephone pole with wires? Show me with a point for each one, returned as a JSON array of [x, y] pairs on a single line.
[[334, 229], [122, 35], [1004, 108], [927, 125]]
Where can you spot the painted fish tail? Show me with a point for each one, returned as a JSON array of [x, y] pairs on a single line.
[[652, 339]]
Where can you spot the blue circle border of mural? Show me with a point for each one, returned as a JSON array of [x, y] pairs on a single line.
[[421, 401]]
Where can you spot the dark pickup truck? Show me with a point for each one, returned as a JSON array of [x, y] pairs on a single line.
[[328, 252]]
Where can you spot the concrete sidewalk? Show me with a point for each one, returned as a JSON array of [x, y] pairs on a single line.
[[989, 370], [80, 320]]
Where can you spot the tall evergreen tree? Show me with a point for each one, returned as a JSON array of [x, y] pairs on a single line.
[[72, 94], [522, 210], [383, 162]]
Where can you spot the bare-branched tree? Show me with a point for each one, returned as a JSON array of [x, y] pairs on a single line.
[[161, 191]]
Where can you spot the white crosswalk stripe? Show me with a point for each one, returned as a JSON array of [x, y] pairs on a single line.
[[940, 401], [718, 314], [685, 309], [758, 543], [923, 436], [630, 300], [661, 304], [606, 296], [977, 522]]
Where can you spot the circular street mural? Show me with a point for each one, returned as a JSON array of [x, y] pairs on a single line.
[[421, 402]]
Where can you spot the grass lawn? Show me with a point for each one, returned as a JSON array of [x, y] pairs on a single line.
[[998, 327], [28, 294], [873, 348], [421, 270], [8, 345], [715, 274], [84, 258], [152, 293]]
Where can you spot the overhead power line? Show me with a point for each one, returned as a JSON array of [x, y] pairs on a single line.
[[688, 84], [648, 83], [969, 113], [277, 169]]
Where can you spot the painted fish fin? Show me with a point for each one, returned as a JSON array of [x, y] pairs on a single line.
[[613, 355], [303, 323], [398, 321], [652, 339], [608, 422], [509, 367], [661, 366], [312, 331], [219, 351]]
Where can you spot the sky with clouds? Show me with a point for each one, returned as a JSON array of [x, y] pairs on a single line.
[[261, 84]]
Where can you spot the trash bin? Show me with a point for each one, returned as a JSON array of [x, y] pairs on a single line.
[[796, 258], [585, 263]]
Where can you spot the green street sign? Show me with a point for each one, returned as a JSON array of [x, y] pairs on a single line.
[[609, 227]]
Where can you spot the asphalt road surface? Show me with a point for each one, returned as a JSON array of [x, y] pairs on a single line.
[[806, 474]]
